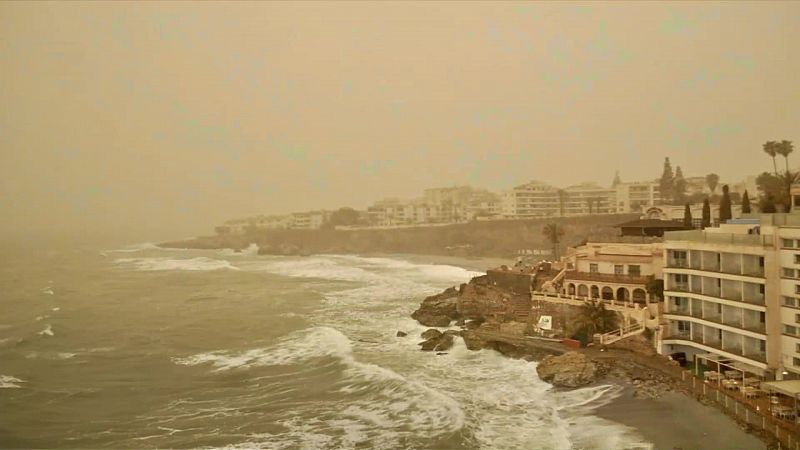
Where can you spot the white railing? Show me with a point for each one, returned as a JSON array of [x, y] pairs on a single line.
[[622, 333]]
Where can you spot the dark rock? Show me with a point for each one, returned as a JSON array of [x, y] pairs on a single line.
[[431, 334], [401, 334], [572, 369], [473, 341], [429, 345], [438, 310], [445, 343]]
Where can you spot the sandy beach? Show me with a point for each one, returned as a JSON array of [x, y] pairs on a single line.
[[676, 421]]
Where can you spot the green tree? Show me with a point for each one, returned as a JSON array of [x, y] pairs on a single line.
[[687, 216], [784, 148], [342, 216], [787, 180], [745, 203], [725, 213], [770, 148], [655, 287], [678, 187], [767, 204], [665, 183], [712, 180], [593, 317], [706, 214], [553, 233]]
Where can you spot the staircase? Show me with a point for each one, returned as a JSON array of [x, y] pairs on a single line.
[[622, 333], [551, 285], [521, 308]]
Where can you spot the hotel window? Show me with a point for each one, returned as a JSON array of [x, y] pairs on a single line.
[[762, 346], [797, 318], [593, 268], [788, 329], [683, 327], [789, 301], [762, 317], [619, 269], [797, 259], [797, 288], [634, 270], [787, 272], [796, 361], [788, 243]]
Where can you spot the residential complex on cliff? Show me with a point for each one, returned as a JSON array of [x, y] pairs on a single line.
[[458, 204]]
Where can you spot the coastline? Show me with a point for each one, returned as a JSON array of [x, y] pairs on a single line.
[[677, 421]]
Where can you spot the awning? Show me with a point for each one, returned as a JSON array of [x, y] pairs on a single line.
[[786, 387], [730, 364]]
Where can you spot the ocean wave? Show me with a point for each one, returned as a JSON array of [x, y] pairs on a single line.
[[313, 267], [251, 250], [370, 404], [162, 263], [48, 291], [9, 382], [48, 331]]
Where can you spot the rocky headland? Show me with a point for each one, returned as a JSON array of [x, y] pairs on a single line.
[[487, 317]]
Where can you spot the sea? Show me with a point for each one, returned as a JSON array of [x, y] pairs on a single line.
[[133, 346]]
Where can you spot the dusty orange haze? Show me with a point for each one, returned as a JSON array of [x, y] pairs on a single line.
[[172, 117]]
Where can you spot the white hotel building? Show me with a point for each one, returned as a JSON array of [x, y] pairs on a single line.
[[734, 292]]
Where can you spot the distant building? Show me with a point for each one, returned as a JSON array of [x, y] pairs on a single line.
[[637, 196], [675, 212], [537, 199]]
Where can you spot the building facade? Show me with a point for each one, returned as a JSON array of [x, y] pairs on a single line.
[[613, 271]]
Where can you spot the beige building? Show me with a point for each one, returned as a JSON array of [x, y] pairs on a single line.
[[613, 271], [734, 292], [637, 196], [537, 199]]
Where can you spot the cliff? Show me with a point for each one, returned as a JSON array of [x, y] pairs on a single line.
[[479, 238]]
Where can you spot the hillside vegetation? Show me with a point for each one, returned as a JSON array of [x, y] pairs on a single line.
[[489, 238]]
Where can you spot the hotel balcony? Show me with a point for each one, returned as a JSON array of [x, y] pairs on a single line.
[[607, 277]]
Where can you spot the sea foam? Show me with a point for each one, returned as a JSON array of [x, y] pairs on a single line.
[[191, 264], [9, 382]]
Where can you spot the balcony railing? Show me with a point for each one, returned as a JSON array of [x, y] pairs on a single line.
[[681, 287], [678, 263], [607, 277], [715, 344]]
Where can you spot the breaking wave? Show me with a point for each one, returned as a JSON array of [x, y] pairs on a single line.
[[48, 331], [9, 382], [192, 264]]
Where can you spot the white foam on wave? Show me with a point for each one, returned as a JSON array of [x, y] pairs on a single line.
[[251, 250], [48, 291], [9, 382], [312, 267], [378, 406], [48, 331], [162, 263]]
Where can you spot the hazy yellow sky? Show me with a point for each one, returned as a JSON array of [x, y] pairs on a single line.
[[177, 116]]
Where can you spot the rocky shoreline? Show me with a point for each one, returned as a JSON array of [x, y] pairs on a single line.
[[485, 319]]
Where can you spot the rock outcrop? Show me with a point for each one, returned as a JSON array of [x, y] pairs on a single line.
[[572, 369], [438, 310], [437, 341]]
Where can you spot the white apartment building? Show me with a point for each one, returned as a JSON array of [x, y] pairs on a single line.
[[537, 199], [734, 291], [637, 196]]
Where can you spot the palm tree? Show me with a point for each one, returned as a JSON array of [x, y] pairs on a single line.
[[562, 198], [770, 149], [784, 148], [593, 317], [787, 180], [553, 233], [712, 180]]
